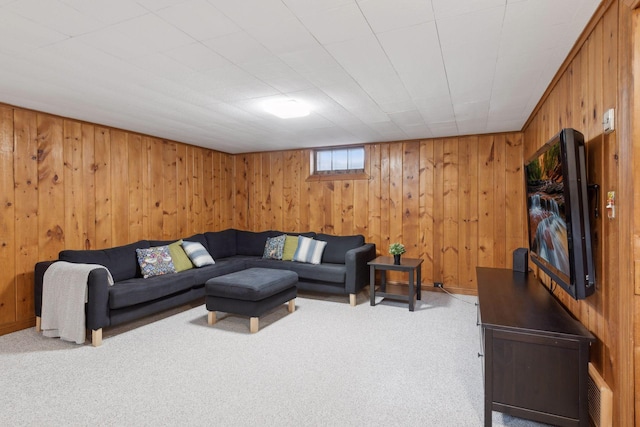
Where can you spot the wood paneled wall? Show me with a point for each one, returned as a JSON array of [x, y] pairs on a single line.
[[590, 83], [455, 202], [66, 184]]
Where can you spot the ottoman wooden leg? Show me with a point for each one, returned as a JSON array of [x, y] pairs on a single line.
[[292, 305], [211, 317], [38, 324], [254, 323], [352, 300]]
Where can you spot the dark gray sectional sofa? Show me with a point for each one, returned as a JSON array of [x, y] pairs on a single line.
[[343, 270]]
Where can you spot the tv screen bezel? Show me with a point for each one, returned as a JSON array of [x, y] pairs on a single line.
[[581, 280]]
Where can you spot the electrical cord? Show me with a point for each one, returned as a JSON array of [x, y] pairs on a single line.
[[454, 296]]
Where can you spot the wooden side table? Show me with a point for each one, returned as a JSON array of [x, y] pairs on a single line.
[[413, 266]]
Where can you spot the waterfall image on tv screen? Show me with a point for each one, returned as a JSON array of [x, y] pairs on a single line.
[[546, 206]]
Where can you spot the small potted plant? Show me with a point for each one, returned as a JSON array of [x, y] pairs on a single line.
[[396, 249]]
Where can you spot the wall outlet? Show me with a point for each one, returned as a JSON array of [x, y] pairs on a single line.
[[438, 285]]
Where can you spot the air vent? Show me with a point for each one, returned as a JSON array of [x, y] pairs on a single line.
[[600, 400]]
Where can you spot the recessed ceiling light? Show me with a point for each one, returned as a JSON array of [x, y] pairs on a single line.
[[287, 109]]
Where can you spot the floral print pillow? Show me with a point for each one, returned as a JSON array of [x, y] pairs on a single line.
[[155, 261]]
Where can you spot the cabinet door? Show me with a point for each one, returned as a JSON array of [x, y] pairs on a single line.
[[540, 373]]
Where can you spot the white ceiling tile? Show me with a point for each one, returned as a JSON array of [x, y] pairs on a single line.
[[449, 8], [55, 15], [199, 19], [284, 36], [368, 64], [108, 12], [19, 35], [436, 110], [415, 54], [407, 118], [403, 14], [254, 13], [238, 47], [337, 24], [159, 4], [196, 56], [305, 7]]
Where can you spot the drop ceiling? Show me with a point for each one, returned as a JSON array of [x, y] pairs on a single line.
[[200, 71]]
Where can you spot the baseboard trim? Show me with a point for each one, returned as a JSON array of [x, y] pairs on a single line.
[[18, 326]]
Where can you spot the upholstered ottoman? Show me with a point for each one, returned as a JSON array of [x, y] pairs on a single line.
[[250, 292]]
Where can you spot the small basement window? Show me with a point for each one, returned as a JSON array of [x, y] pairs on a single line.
[[342, 160]]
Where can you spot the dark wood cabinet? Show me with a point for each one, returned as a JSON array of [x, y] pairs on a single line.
[[536, 354]]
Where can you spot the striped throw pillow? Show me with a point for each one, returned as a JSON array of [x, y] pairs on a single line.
[[197, 253], [309, 250]]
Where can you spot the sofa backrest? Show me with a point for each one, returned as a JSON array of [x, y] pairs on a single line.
[[121, 261], [337, 246], [252, 243], [221, 244]]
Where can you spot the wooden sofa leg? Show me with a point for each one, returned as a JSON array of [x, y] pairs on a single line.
[[254, 324], [96, 337], [211, 318], [292, 305], [352, 300], [38, 324]]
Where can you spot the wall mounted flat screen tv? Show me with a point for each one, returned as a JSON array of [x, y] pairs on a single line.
[[558, 213]]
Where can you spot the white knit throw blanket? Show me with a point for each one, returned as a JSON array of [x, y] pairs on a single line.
[[64, 293]]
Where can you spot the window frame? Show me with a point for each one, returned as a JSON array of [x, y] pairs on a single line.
[[337, 174]]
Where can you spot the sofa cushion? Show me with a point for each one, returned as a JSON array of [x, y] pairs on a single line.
[[138, 290], [222, 244], [330, 273], [289, 249], [155, 261], [197, 253], [337, 246], [180, 258], [309, 250], [274, 247], [121, 261], [251, 243]]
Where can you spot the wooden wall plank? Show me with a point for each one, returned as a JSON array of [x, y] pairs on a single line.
[[102, 144], [427, 179], [450, 213], [7, 226], [50, 186], [486, 212], [25, 166], [73, 194], [169, 190], [88, 186], [499, 208], [135, 171], [181, 191], [212, 199], [468, 208], [119, 181]]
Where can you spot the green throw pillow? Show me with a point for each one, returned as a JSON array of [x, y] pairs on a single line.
[[290, 246], [180, 259]]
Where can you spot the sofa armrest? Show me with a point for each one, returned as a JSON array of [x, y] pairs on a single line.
[[97, 307], [357, 269], [38, 275]]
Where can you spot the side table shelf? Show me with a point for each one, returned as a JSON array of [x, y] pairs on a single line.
[[412, 266]]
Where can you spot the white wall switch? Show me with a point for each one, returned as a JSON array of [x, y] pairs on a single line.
[[608, 121]]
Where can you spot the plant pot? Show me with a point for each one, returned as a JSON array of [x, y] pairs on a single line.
[[396, 259]]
